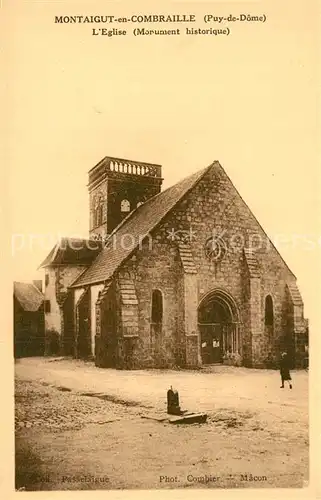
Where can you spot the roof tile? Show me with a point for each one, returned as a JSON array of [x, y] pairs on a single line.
[[28, 296]]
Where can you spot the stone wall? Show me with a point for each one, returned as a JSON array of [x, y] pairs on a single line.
[[297, 337], [157, 267]]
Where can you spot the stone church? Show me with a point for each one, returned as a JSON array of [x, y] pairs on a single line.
[[177, 278]]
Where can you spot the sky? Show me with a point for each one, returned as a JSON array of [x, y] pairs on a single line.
[[248, 100]]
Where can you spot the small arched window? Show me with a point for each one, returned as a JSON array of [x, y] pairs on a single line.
[[157, 307], [269, 316], [124, 206], [99, 211], [99, 214]]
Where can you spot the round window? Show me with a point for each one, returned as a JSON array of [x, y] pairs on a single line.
[[215, 248]]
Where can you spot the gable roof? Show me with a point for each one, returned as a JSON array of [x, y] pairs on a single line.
[[76, 251], [137, 224], [28, 295], [141, 221]]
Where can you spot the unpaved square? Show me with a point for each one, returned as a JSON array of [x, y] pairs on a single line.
[[256, 434]]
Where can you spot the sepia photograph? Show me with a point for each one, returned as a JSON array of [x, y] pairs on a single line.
[[163, 194]]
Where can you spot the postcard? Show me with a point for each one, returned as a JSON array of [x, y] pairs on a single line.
[[164, 209]]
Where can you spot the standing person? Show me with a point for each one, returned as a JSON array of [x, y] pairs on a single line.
[[285, 370]]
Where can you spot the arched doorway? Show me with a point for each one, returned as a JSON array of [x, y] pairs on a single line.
[[218, 323]]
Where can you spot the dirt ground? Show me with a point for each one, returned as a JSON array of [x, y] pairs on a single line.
[[80, 427]]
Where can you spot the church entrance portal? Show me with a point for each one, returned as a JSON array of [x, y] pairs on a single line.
[[218, 326]]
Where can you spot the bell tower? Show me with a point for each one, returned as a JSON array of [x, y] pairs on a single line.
[[116, 188]]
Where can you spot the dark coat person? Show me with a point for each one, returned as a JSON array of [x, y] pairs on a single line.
[[285, 369]]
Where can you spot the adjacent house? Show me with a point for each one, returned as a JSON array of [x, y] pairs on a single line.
[[28, 309], [67, 260]]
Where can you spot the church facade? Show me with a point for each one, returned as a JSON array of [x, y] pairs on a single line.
[[177, 278]]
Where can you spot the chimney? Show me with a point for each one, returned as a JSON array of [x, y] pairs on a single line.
[[38, 284]]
